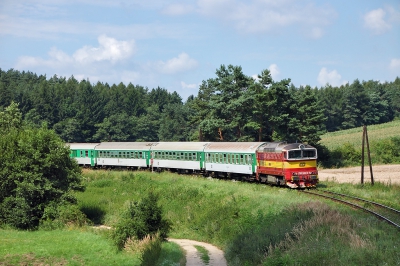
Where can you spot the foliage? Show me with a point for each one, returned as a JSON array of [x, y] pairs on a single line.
[[388, 150], [140, 219], [228, 107], [35, 170], [345, 155], [57, 216], [10, 118]]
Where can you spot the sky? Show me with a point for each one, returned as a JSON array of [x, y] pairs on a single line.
[[178, 44]]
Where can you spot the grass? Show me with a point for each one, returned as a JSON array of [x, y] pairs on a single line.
[[382, 193], [333, 140], [254, 224], [171, 254], [203, 254], [201, 209], [60, 247]]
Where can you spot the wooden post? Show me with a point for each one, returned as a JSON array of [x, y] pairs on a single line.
[[362, 156], [365, 139], [369, 156]]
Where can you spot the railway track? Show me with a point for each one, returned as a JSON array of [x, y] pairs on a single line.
[[386, 213]]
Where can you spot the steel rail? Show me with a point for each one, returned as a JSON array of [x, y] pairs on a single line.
[[372, 202], [356, 206]]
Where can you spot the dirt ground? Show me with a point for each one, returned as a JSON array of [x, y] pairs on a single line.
[[193, 257], [387, 174]]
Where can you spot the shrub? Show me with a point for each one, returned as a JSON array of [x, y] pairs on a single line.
[[35, 170], [345, 155], [140, 219], [56, 216], [388, 150]]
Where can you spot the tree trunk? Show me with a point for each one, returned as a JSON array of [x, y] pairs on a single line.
[[220, 134]]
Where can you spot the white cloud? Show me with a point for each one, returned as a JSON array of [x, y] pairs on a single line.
[[109, 50], [258, 16], [57, 59], [177, 64], [189, 86], [375, 21], [395, 64], [177, 9], [274, 71], [86, 62], [315, 32], [330, 77]]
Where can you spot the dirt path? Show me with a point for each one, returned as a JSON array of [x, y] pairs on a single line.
[[193, 257], [388, 174]]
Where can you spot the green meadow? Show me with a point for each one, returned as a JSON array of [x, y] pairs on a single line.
[[254, 224], [333, 140], [344, 148]]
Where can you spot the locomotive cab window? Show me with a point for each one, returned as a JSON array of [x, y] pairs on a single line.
[[309, 153], [295, 154]]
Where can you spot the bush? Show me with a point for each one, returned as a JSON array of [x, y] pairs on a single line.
[[388, 150], [57, 216], [345, 155], [35, 170], [141, 219]]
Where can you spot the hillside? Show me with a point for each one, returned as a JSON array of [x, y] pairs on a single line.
[[333, 140]]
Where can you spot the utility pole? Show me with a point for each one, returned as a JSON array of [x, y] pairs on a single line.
[[365, 139]]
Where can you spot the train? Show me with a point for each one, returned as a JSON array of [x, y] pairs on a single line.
[[293, 165]]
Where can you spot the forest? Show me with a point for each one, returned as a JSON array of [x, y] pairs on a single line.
[[228, 107]]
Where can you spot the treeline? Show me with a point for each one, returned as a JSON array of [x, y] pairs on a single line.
[[228, 107]]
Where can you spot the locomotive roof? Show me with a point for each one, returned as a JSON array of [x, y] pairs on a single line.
[[296, 146], [124, 146], [248, 147], [279, 146], [82, 146], [179, 146], [272, 146]]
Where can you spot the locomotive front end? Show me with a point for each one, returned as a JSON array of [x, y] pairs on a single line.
[[300, 166]]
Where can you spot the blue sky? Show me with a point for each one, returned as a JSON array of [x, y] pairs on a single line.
[[178, 44]]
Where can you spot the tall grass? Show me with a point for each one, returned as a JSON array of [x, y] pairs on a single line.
[[148, 248], [387, 194], [254, 224], [202, 209]]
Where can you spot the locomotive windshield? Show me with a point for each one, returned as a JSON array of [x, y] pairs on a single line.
[[300, 154]]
